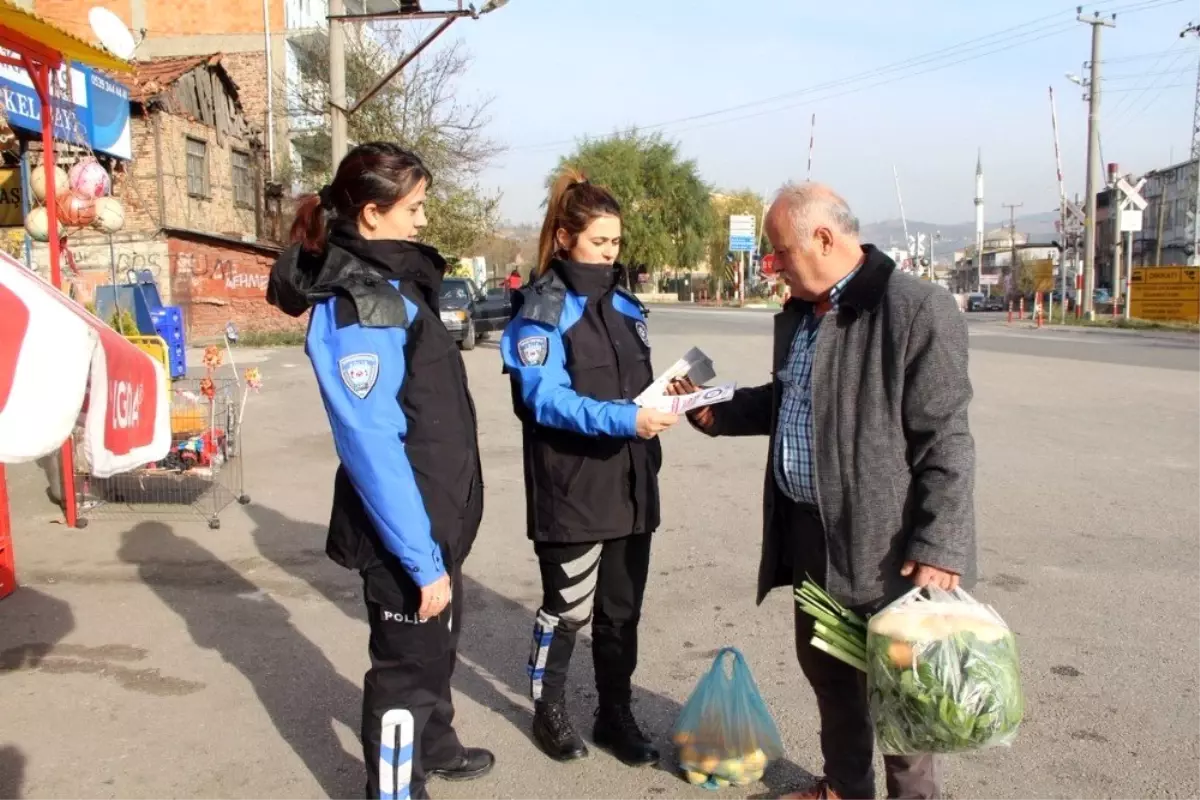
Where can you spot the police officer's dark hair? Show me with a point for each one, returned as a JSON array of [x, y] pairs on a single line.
[[574, 203], [377, 172]]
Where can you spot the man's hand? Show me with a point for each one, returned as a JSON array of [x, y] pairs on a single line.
[[651, 422], [702, 417], [434, 598], [924, 575]]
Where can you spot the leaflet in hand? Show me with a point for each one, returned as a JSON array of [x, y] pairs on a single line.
[[694, 365], [686, 402]]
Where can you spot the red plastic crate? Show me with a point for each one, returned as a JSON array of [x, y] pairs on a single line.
[[8, 564]]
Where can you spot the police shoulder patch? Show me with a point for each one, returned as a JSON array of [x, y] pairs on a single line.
[[642, 332], [359, 373], [532, 350]]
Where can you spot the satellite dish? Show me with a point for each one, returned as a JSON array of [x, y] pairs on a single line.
[[112, 33]]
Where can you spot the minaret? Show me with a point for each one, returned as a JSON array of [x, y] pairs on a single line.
[[979, 220]]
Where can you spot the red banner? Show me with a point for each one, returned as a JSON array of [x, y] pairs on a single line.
[[61, 357]]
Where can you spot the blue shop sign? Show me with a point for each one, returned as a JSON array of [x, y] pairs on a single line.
[[90, 110]]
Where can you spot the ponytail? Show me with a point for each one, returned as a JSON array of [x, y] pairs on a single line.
[[309, 228], [573, 204]]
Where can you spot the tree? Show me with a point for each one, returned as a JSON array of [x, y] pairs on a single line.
[[420, 109], [667, 219]]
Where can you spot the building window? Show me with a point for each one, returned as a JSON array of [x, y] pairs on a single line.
[[197, 167], [243, 179]]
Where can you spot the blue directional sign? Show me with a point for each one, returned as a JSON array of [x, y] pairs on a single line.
[[743, 231]]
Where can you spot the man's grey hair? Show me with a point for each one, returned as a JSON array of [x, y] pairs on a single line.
[[809, 204]]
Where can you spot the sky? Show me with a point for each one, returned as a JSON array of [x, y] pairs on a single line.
[[921, 85]]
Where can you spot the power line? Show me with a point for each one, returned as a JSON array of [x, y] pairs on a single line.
[[1127, 75], [1008, 37], [1130, 102]]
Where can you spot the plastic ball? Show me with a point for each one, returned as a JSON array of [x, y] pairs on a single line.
[[695, 778], [110, 214], [37, 182], [76, 210], [37, 224], [89, 179], [720, 782], [708, 764]]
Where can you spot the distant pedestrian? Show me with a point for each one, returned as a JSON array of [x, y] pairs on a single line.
[[408, 494], [870, 472]]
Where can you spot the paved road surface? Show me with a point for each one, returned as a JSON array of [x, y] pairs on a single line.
[[151, 658]]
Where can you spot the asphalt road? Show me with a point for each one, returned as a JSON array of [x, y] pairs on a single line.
[[150, 658]]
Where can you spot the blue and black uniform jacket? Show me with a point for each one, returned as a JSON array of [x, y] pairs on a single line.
[[408, 494], [578, 353]]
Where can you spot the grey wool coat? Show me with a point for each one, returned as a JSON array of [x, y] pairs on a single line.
[[895, 459]]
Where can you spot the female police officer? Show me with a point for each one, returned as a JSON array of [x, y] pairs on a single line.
[[408, 495], [578, 352]]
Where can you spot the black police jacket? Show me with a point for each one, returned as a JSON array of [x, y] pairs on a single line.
[[408, 493], [578, 353]]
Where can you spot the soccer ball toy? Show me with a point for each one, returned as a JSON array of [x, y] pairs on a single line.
[[89, 178]]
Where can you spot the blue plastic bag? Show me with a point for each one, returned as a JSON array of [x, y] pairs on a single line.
[[725, 735]]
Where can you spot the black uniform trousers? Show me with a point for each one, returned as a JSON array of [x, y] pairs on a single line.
[[599, 581], [847, 736], [411, 666]]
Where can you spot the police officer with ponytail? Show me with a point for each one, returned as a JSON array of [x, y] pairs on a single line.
[[578, 352], [408, 493]]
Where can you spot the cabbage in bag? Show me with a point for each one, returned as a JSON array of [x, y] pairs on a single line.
[[725, 734], [942, 675]]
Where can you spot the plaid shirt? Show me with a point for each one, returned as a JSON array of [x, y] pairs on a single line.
[[795, 468]]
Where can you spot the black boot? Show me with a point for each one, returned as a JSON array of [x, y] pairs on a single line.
[[554, 733], [618, 732], [475, 762]]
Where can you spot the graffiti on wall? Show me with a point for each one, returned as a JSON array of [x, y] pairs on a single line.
[[220, 276]]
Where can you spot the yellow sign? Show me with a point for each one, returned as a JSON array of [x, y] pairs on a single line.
[[1043, 275], [10, 199], [1156, 291], [1165, 294], [1163, 275], [1165, 310]]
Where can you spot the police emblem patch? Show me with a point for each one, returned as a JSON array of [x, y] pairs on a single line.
[[532, 350], [642, 333], [359, 372]]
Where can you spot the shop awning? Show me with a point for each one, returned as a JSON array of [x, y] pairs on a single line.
[[58, 360], [53, 38]]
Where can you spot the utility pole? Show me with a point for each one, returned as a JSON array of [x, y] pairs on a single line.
[[1194, 199], [1013, 271], [337, 83], [1093, 158]]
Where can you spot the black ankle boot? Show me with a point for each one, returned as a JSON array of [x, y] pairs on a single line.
[[618, 732], [554, 733]]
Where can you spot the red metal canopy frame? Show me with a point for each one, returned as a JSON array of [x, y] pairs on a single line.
[[40, 62]]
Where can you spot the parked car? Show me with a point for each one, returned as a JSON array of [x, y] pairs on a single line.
[[975, 301], [470, 314], [994, 303]]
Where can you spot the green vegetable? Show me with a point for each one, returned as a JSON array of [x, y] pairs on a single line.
[[960, 691], [837, 631], [942, 676]]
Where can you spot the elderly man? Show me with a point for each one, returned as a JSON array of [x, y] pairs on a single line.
[[870, 471]]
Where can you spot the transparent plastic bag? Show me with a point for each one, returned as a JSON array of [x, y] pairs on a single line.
[[942, 675], [725, 734]]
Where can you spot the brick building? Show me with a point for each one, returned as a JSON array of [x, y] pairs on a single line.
[[195, 212], [296, 38], [193, 28]]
